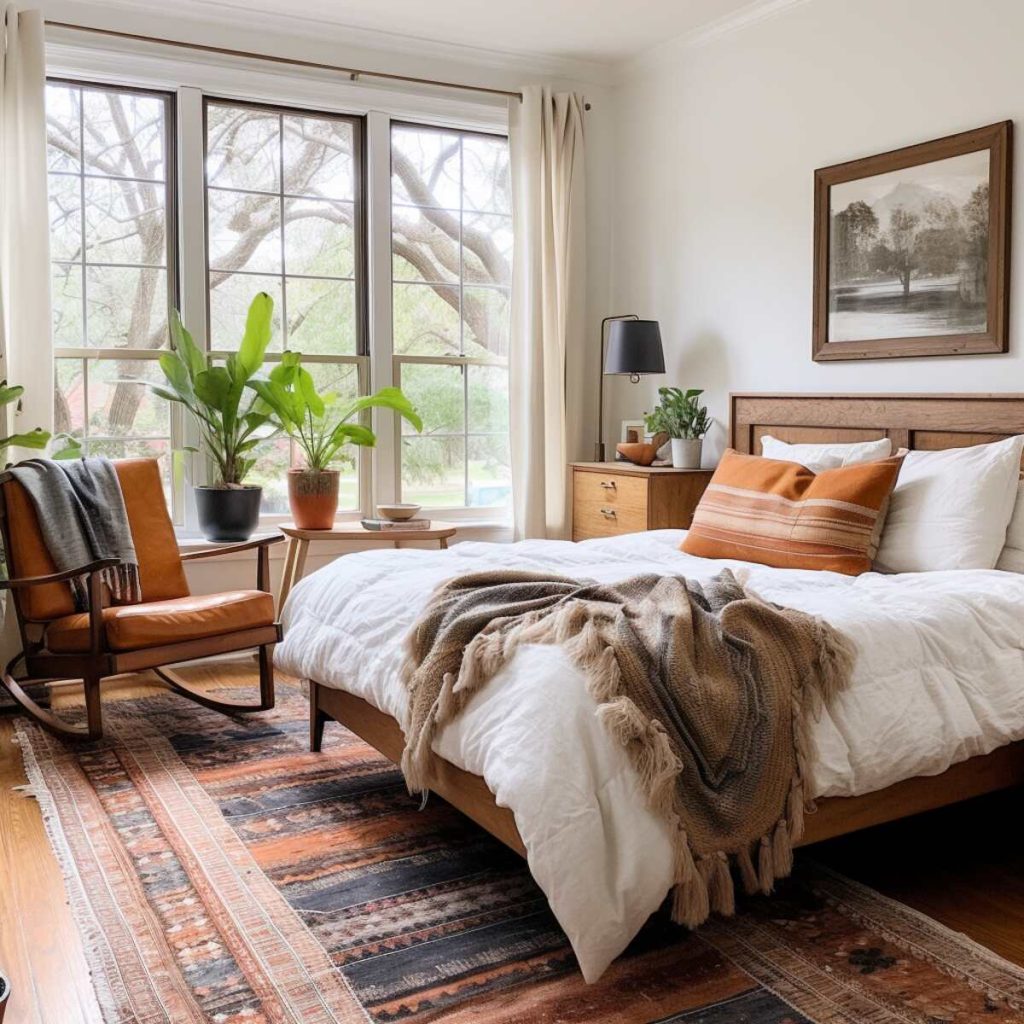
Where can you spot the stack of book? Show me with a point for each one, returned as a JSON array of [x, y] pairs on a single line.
[[390, 525]]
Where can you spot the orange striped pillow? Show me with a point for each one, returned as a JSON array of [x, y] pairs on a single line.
[[782, 514]]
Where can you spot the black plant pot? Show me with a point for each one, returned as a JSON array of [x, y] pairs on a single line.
[[228, 513]]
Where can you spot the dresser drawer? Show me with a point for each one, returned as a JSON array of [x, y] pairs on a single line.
[[607, 504]]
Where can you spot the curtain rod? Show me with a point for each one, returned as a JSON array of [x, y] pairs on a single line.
[[353, 73]]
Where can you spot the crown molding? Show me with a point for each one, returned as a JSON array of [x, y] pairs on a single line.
[[738, 21], [373, 45]]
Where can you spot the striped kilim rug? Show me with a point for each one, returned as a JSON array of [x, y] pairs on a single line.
[[220, 872]]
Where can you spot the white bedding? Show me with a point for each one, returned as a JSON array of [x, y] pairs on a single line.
[[939, 677]]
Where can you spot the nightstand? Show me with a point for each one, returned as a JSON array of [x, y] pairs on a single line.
[[609, 498]]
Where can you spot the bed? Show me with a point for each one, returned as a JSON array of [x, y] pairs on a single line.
[[934, 713]]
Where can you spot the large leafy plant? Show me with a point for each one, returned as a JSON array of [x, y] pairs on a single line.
[[36, 439], [232, 418], [679, 414], [321, 424]]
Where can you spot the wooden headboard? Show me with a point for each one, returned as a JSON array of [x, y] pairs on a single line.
[[928, 422]]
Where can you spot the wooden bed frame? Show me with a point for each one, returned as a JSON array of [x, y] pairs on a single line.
[[926, 422]]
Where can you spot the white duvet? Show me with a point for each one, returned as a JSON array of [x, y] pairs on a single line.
[[939, 677]]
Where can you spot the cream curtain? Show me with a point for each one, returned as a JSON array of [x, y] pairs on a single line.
[[546, 357], [25, 345]]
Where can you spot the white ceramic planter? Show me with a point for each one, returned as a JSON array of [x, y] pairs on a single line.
[[686, 453]]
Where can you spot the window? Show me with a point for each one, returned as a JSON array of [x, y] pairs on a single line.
[[284, 215], [179, 199], [451, 230], [110, 159]]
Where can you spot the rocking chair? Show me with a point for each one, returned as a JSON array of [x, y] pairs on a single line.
[[169, 625]]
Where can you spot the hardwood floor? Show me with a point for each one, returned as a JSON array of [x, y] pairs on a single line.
[[963, 866]]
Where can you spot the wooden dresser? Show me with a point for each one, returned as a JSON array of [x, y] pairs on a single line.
[[609, 498]]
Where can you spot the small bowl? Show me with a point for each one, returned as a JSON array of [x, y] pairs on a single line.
[[397, 512]]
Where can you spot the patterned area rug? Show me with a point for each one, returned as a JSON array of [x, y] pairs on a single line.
[[220, 872]]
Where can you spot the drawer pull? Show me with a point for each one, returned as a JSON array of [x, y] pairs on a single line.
[[608, 512], [608, 485]]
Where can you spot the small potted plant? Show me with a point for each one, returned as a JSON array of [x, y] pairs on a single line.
[[232, 418], [320, 424], [685, 420]]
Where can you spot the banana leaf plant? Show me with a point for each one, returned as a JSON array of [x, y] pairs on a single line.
[[36, 439], [232, 419], [320, 424]]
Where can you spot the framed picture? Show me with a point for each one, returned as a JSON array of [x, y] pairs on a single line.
[[912, 250], [633, 431]]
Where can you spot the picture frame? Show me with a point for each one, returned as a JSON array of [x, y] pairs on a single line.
[[912, 250], [633, 431]]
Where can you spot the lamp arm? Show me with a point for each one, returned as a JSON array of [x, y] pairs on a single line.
[[599, 446]]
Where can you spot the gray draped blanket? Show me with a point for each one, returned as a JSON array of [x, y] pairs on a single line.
[[82, 517], [709, 689]]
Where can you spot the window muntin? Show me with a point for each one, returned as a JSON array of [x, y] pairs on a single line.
[[284, 213], [112, 241], [451, 279]]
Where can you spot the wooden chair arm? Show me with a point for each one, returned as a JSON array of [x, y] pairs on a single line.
[[58, 577], [228, 549]]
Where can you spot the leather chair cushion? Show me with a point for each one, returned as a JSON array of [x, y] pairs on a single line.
[[133, 626]]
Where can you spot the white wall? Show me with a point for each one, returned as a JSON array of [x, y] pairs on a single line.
[[716, 145]]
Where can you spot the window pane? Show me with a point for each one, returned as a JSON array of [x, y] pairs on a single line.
[[486, 316], [120, 404], [425, 167], [63, 128], [321, 316], [243, 148], [436, 393], [126, 307], [434, 471], [230, 298], [66, 297], [490, 471], [487, 249], [488, 399], [125, 222], [485, 183], [318, 238], [245, 231], [69, 407], [273, 460], [426, 320], [65, 217], [424, 245], [124, 134], [318, 157]]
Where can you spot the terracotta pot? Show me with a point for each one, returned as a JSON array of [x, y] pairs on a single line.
[[313, 497]]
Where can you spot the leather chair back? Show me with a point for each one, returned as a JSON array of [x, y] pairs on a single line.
[[161, 573]]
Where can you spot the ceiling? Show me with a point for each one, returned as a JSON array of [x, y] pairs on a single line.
[[596, 30]]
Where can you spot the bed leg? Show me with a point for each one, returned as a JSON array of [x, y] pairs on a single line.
[[317, 718]]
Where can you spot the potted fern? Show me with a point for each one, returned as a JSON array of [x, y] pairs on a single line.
[[321, 426], [685, 420]]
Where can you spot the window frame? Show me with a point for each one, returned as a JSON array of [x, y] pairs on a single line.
[[171, 185], [361, 280], [500, 514]]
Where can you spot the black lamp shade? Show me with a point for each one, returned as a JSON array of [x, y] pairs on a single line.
[[634, 347]]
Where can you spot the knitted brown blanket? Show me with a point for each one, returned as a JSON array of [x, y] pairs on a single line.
[[709, 690]]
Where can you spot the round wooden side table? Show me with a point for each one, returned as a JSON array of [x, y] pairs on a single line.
[[299, 541]]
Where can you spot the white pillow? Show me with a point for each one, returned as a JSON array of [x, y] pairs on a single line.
[[1012, 557], [951, 508], [817, 457]]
